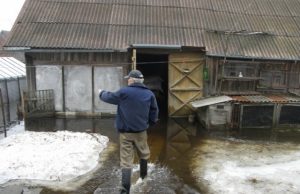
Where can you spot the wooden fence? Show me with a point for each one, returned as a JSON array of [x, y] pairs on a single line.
[[38, 103]]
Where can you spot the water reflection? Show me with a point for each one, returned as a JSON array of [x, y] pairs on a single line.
[[169, 140], [181, 153], [255, 134], [181, 138]]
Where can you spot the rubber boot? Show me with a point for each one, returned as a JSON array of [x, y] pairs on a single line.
[[126, 180], [143, 168]]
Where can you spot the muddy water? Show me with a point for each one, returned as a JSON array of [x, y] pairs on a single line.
[[176, 146]]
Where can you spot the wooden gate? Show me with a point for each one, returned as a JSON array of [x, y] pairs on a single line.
[[185, 82], [38, 103]]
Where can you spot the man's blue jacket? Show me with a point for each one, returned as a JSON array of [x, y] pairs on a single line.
[[137, 107]]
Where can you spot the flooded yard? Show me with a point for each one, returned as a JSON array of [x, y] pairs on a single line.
[[186, 159]]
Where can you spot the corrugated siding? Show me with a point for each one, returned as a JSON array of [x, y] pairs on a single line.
[[280, 7], [265, 7], [224, 21], [11, 68], [250, 46], [213, 43], [224, 27], [62, 36], [232, 46], [239, 6], [72, 12], [290, 26], [203, 4], [293, 6]]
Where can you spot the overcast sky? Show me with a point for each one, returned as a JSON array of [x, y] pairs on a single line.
[[9, 10]]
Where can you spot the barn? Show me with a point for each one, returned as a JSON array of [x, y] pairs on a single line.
[[189, 50]]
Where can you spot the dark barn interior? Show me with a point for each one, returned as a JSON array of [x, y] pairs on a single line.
[[155, 70]]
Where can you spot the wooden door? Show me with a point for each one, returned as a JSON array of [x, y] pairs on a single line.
[[185, 82]]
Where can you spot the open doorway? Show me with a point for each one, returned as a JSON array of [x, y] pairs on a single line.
[[155, 70]]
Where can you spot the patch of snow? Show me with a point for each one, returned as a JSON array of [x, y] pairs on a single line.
[[14, 130], [229, 167], [48, 156]]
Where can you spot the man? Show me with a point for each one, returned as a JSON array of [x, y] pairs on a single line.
[[137, 109]]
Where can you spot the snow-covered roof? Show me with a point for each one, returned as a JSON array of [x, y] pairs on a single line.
[[11, 68]]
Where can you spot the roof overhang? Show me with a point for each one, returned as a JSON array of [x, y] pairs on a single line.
[[66, 50], [155, 46], [16, 48], [253, 58], [164, 48]]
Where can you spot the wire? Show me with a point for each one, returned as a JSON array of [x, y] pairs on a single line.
[[114, 64]]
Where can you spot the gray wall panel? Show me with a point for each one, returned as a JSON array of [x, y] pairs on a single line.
[[78, 88], [50, 77], [14, 98], [107, 78]]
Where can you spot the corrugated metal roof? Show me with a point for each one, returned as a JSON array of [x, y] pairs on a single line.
[[266, 99], [203, 4], [11, 68], [265, 29], [280, 8], [293, 6]]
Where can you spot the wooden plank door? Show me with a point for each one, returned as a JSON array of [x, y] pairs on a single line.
[[185, 82]]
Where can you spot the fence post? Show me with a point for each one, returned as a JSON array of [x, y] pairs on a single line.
[[24, 103], [3, 113]]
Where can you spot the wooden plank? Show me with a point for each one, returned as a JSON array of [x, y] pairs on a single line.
[[38, 103]]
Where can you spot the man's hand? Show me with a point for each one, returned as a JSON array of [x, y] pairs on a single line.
[[99, 90]]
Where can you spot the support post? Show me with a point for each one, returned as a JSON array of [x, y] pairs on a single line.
[[8, 101], [93, 90], [63, 88], [3, 113], [133, 59]]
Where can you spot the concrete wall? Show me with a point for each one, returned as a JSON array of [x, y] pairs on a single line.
[[80, 89], [50, 77], [110, 79]]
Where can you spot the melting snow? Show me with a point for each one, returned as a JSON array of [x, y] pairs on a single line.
[[48, 156]]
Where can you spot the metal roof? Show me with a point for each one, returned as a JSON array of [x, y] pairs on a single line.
[[266, 99], [263, 29], [11, 68]]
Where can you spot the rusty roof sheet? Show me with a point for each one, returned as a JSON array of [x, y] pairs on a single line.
[[266, 99], [235, 28]]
